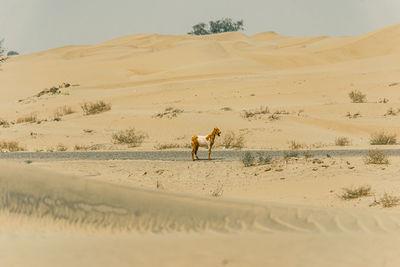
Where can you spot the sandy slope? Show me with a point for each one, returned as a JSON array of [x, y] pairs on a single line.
[[141, 75], [53, 219]]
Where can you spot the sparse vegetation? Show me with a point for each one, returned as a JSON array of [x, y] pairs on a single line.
[[388, 201], [231, 140], [218, 191], [295, 145], [357, 97], [391, 112], [353, 193], [131, 137], [167, 146], [342, 141], [53, 90], [62, 111], [169, 113], [31, 118], [376, 157], [90, 108], [11, 146], [255, 113], [353, 116], [226, 109], [248, 159], [61, 148], [382, 138], [4, 123], [274, 117], [88, 148]]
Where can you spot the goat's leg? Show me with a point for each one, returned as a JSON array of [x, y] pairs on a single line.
[[193, 149], [195, 152]]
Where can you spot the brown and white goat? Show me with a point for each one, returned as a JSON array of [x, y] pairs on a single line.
[[204, 141]]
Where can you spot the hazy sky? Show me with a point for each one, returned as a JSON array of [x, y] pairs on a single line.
[[34, 25]]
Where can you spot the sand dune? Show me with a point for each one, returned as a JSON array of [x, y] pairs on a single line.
[[78, 202], [56, 219]]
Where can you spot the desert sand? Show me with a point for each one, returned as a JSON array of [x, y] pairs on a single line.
[[205, 213]]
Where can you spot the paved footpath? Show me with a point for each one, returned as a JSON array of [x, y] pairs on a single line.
[[217, 155]]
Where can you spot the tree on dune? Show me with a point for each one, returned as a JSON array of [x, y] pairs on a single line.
[[2, 56], [217, 26]]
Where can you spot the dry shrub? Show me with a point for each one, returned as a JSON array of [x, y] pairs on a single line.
[[88, 148], [231, 140], [357, 97], [388, 201], [169, 113], [391, 112], [376, 157], [226, 109], [90, 108], [255, 113], [295, 145], [352, 193], [31, 118], [62, 111], [131, 137], [4, 123], [167, 146], [11, 146], [353, 116], [61, 148], [342, 141], [383, 139]]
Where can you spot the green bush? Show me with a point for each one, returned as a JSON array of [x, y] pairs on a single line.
[[217, 26]]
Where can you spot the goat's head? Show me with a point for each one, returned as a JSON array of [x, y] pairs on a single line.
[[217, 131]]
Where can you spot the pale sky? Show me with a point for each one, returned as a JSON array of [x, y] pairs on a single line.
[[35, 25]]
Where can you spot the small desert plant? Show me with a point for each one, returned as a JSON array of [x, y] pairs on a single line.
[[295, 145], [90, 108], [86, 147], [255, 113], [218, 191], [226, 109], [353, 116], [31, 118], [248, 159], [342, 141], [231, 140], [357, 97], [62, 111], [169, 113], [388, 201], [274, 117], [383, 139], [352, 193], [376, 157], [11, 146], [166, 146], [131, 137], [61, 148], [4, 123], [391, 112]]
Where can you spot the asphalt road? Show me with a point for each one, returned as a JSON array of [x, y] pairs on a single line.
[[218, 155]]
